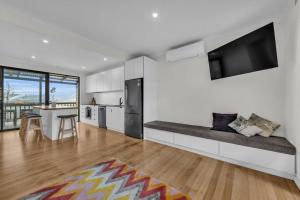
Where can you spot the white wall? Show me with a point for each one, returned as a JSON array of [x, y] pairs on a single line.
[[187, 95], [292, 114], [22, 64]]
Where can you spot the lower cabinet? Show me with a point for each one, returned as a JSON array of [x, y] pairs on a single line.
[[93, 120], [115, 118], [273, 160], [275, 163], [200, 144]]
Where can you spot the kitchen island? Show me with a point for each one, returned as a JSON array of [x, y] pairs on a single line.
[[51, 121]]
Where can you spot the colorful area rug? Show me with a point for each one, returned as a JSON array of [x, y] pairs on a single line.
[[108, 180]]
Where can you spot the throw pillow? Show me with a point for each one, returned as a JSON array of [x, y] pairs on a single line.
[[251, 131], [221, 121], [267, 126], [239, 124]]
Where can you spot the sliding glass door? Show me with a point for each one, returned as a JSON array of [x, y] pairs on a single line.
[[21, 91]]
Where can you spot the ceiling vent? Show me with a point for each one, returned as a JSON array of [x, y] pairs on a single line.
[[188, 51]]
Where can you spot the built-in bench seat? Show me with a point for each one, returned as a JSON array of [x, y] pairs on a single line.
[[275, 155], [277, 144]]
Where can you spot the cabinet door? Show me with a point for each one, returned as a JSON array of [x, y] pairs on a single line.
[[99, 82], [139, 68], [121, 120], [122, 80], [134, 68], [115, 79], [109, 118], [129, 70], [91, 83], [118, 114], [106, 80], [88, 84]]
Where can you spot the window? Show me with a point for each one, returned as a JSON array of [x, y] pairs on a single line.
[[63, 89], [22, 89]]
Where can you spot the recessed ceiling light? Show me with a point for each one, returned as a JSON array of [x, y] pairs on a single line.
[[45, 41], [33, 57], [155, 15], [105, 59], [83, 67]]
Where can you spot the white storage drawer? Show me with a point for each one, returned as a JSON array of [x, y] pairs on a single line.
[[201, 144], [159, 135], [268, 159]]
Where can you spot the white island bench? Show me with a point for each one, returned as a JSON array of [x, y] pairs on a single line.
[[51, 121]]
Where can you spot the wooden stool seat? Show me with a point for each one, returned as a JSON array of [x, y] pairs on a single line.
[[67, 116], [31, 122], [62, 129]]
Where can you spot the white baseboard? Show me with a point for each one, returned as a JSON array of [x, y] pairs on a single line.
[[297, 182], [116, 130], [236, 162]]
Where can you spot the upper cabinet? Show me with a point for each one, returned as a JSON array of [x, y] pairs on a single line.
[[134, 68], [107, 81], [90, 83], [117, 79]]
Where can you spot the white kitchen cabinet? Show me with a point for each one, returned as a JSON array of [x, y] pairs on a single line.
[[134, 68], [110, 80], [93, 120], [115, 118], [117, 79], [99, 82], [91, 85], [106, 81]]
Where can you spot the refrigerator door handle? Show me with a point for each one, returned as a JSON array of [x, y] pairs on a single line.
[[126, 94]]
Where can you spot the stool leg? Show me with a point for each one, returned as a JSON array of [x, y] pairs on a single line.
[[63, 129], [59, 129], [74, 120], [41, 128], [27, 130], [72, 126]]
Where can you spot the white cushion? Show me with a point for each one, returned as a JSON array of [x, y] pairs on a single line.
[[250, 131]]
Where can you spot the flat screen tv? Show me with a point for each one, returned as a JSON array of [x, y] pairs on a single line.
[[252, 52]]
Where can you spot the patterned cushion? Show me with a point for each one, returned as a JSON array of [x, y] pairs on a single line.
[[267, 126], [239, 124], [242, 126]]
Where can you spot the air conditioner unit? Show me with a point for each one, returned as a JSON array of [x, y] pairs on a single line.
[[188, 51]]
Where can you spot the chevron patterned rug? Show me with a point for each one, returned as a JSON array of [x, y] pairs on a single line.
[[108, 180]]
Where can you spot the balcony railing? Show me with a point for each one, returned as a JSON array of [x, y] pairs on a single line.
[[12, 112]]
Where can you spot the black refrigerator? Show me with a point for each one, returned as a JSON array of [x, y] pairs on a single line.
[[134, 108]]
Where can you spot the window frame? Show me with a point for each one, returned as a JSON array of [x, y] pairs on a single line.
[[47, 89]]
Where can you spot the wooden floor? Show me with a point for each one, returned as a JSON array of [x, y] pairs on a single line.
[[25, 168]]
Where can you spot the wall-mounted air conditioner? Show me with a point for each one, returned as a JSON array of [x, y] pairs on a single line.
[[188, 51]]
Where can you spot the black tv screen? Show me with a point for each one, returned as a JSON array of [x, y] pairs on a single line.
[[252, 52]]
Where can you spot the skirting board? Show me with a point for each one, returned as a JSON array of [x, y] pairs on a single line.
[[297, 182], [115, 130], [236, 162]]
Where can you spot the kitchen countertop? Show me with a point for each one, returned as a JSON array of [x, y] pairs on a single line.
[[58, 107]]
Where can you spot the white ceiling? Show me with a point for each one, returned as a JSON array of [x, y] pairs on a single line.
[[127, 26], [22, 44]]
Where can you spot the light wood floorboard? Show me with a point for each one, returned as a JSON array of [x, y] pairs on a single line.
[[25, 168]]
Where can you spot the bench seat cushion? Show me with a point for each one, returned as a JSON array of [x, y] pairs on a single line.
[[273, 143]]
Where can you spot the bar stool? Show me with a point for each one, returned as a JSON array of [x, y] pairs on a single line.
[[31, 122], [62, 129]]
